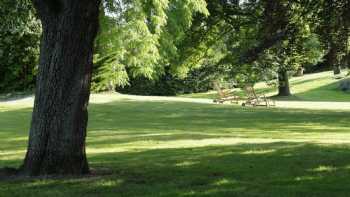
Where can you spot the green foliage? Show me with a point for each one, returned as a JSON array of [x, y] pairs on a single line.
[[110, 73], [304, 50], [167, 84], [241, 41], [141, 37], [258, 38], [334, 29], [19, 45]]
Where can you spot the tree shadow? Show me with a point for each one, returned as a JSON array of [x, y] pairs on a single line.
[[266, 168], [273, 169], [13, 96], [326, 93], [330, 92]]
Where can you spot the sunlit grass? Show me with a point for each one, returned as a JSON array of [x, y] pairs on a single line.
[[310, 87], [187, 149]]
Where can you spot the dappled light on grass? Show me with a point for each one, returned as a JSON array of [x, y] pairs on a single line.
[[324, 169], [248, 152], [185, 149], [308, 178]]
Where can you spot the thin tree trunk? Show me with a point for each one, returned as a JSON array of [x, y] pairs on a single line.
[[59, 120], [336, 70], [300, 72], [325, 64], [283, 83], [331, 59], [347, 62]]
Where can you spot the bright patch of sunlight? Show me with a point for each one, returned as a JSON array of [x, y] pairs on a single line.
[[39, 183], [175, 144], [186, 163], [307, 178], [12, 155], [109, 183], [224, 182], [258, 152], [324, 169]]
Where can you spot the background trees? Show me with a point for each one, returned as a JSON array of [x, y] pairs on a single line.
[[141, 38], [19, 41], [261, 39], [334, 31], [168, 42]]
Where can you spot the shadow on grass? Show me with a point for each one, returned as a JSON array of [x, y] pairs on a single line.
[[126, 122], [326, 93], [273, 169], [330, 92], [143, 168], [12, 96], [146, 117]]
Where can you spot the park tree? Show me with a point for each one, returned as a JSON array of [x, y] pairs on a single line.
[[299, 49], [334, 30], [259, 38], [59, 120], [144, 34], [243, 30]]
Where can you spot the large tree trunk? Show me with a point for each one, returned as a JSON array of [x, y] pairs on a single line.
[[59, 120], [283, 83]]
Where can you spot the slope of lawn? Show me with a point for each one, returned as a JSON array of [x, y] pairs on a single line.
[[310, 87], [168, 149]]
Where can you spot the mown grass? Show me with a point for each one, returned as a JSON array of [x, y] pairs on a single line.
[[185, 149], [311, 87]]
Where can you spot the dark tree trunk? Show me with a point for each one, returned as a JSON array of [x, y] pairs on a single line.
[[347, 61], [300, 72], [336, 70], [283, 83], [325, 64], [332, 60], [59, 120]]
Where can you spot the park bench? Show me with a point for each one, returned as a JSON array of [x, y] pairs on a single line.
[[256, 100], [224, 96]]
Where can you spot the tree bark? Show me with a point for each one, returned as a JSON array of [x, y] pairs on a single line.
[[283, 83], [325, 64], [300, 71], [332, 60], [336, 70], [59, 119]]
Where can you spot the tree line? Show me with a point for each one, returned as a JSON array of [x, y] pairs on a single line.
[[180, 46]]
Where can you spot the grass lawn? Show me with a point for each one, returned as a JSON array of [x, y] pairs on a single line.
[[186, 149], [311, 87]]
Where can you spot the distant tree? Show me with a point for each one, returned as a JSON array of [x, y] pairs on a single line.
[[248, 30], [334, 30]]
